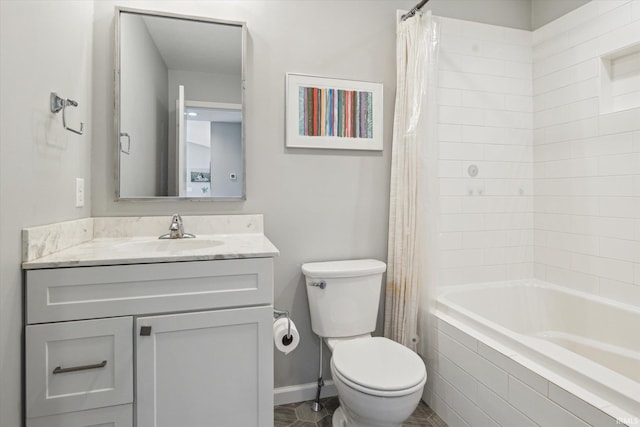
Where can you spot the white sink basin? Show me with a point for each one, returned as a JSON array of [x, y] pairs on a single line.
[[172, 245]]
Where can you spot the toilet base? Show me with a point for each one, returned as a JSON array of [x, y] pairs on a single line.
[[338, 419]]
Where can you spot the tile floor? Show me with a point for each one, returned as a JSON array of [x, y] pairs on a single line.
[[300, 415]]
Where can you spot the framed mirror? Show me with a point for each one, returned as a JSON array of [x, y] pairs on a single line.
[[179, 110]]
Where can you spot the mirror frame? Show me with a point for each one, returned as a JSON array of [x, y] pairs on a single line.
[[116, 104]]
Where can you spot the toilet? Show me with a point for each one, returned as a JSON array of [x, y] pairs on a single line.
[[379, 381]]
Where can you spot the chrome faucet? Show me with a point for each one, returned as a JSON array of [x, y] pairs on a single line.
[[176, 229]]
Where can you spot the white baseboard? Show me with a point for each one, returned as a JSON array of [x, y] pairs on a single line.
[[302, 392]]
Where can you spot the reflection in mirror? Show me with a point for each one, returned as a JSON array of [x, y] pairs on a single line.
[[179, 95], [213, 149]]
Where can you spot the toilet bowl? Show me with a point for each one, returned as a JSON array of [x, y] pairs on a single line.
[[379, 382]]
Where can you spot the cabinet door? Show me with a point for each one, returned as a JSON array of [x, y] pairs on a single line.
[[211, 368]]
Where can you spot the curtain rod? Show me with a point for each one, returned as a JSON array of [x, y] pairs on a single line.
[[413, 11]]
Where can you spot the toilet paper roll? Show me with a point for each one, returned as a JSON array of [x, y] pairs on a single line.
[[282, 342]]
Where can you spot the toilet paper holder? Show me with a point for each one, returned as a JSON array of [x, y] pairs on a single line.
[[283, 313]]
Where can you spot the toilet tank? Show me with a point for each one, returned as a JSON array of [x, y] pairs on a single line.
[[347, 303]]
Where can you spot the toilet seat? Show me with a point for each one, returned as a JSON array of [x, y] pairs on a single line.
[[378, 366]]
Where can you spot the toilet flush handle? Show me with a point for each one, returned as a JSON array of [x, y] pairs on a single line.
[[321, 284]]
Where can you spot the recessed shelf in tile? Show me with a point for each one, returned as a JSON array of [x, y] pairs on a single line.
[[620, 80]]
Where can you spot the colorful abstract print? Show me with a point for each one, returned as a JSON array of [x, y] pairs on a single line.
[[335, 112]]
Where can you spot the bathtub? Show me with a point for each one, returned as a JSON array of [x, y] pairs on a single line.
[[568, 336]]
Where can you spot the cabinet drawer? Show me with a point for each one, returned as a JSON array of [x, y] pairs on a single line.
[[91, 292], [112, 416], [73, 366]]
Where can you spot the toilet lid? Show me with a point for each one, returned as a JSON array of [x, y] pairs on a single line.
[[378, 364]]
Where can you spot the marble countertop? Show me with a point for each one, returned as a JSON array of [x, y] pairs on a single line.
[[87, 242]]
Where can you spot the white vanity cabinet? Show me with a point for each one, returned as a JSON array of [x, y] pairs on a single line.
[[150, 345]]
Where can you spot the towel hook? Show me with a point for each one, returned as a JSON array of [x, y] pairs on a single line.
[[58, 104]]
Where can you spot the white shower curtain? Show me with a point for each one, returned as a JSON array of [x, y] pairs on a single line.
[[412, 220]]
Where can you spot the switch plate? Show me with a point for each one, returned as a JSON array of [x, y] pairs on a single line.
[[79, 192]]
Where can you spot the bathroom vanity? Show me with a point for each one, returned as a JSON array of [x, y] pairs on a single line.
[[140, 332]]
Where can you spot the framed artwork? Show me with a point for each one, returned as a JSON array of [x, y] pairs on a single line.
[[200, 175], [332, 113]]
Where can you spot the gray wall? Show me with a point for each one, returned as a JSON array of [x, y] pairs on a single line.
[[545, 11], [144, 82], [507, 13], [522, 14], [226, 157], [318, 204], [45, 46], [199, 86]]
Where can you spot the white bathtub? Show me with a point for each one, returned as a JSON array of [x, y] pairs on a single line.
[[588, 341]]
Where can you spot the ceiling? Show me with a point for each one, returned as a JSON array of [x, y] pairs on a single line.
[[213, 115], [200, 46]]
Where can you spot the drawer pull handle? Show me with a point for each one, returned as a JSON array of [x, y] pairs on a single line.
[[60, 370]]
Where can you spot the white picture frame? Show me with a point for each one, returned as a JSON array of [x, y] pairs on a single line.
[[333, 113]]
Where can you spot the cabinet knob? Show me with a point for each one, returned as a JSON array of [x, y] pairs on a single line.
[[145, 331]]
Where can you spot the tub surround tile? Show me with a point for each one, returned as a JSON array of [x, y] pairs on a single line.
[[459, 403], [636, 135], [589, 413], [458, 377], [515, 368], [485, 75], [499, 410], [458, 335], [538, 408], [485, 371], [623, 417], [461, 333], [567, 394], [504, 358], [620, 291], [599, 162], [443, 410], [471, 413], [527, 381], [589, 406], [107, 243]]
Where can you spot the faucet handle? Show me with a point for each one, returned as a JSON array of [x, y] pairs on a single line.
[[176, 229], [176, 223]]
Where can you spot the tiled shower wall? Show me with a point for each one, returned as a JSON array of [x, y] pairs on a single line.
[[551, 120], [557, 195], [485, 122], [587, 150]]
